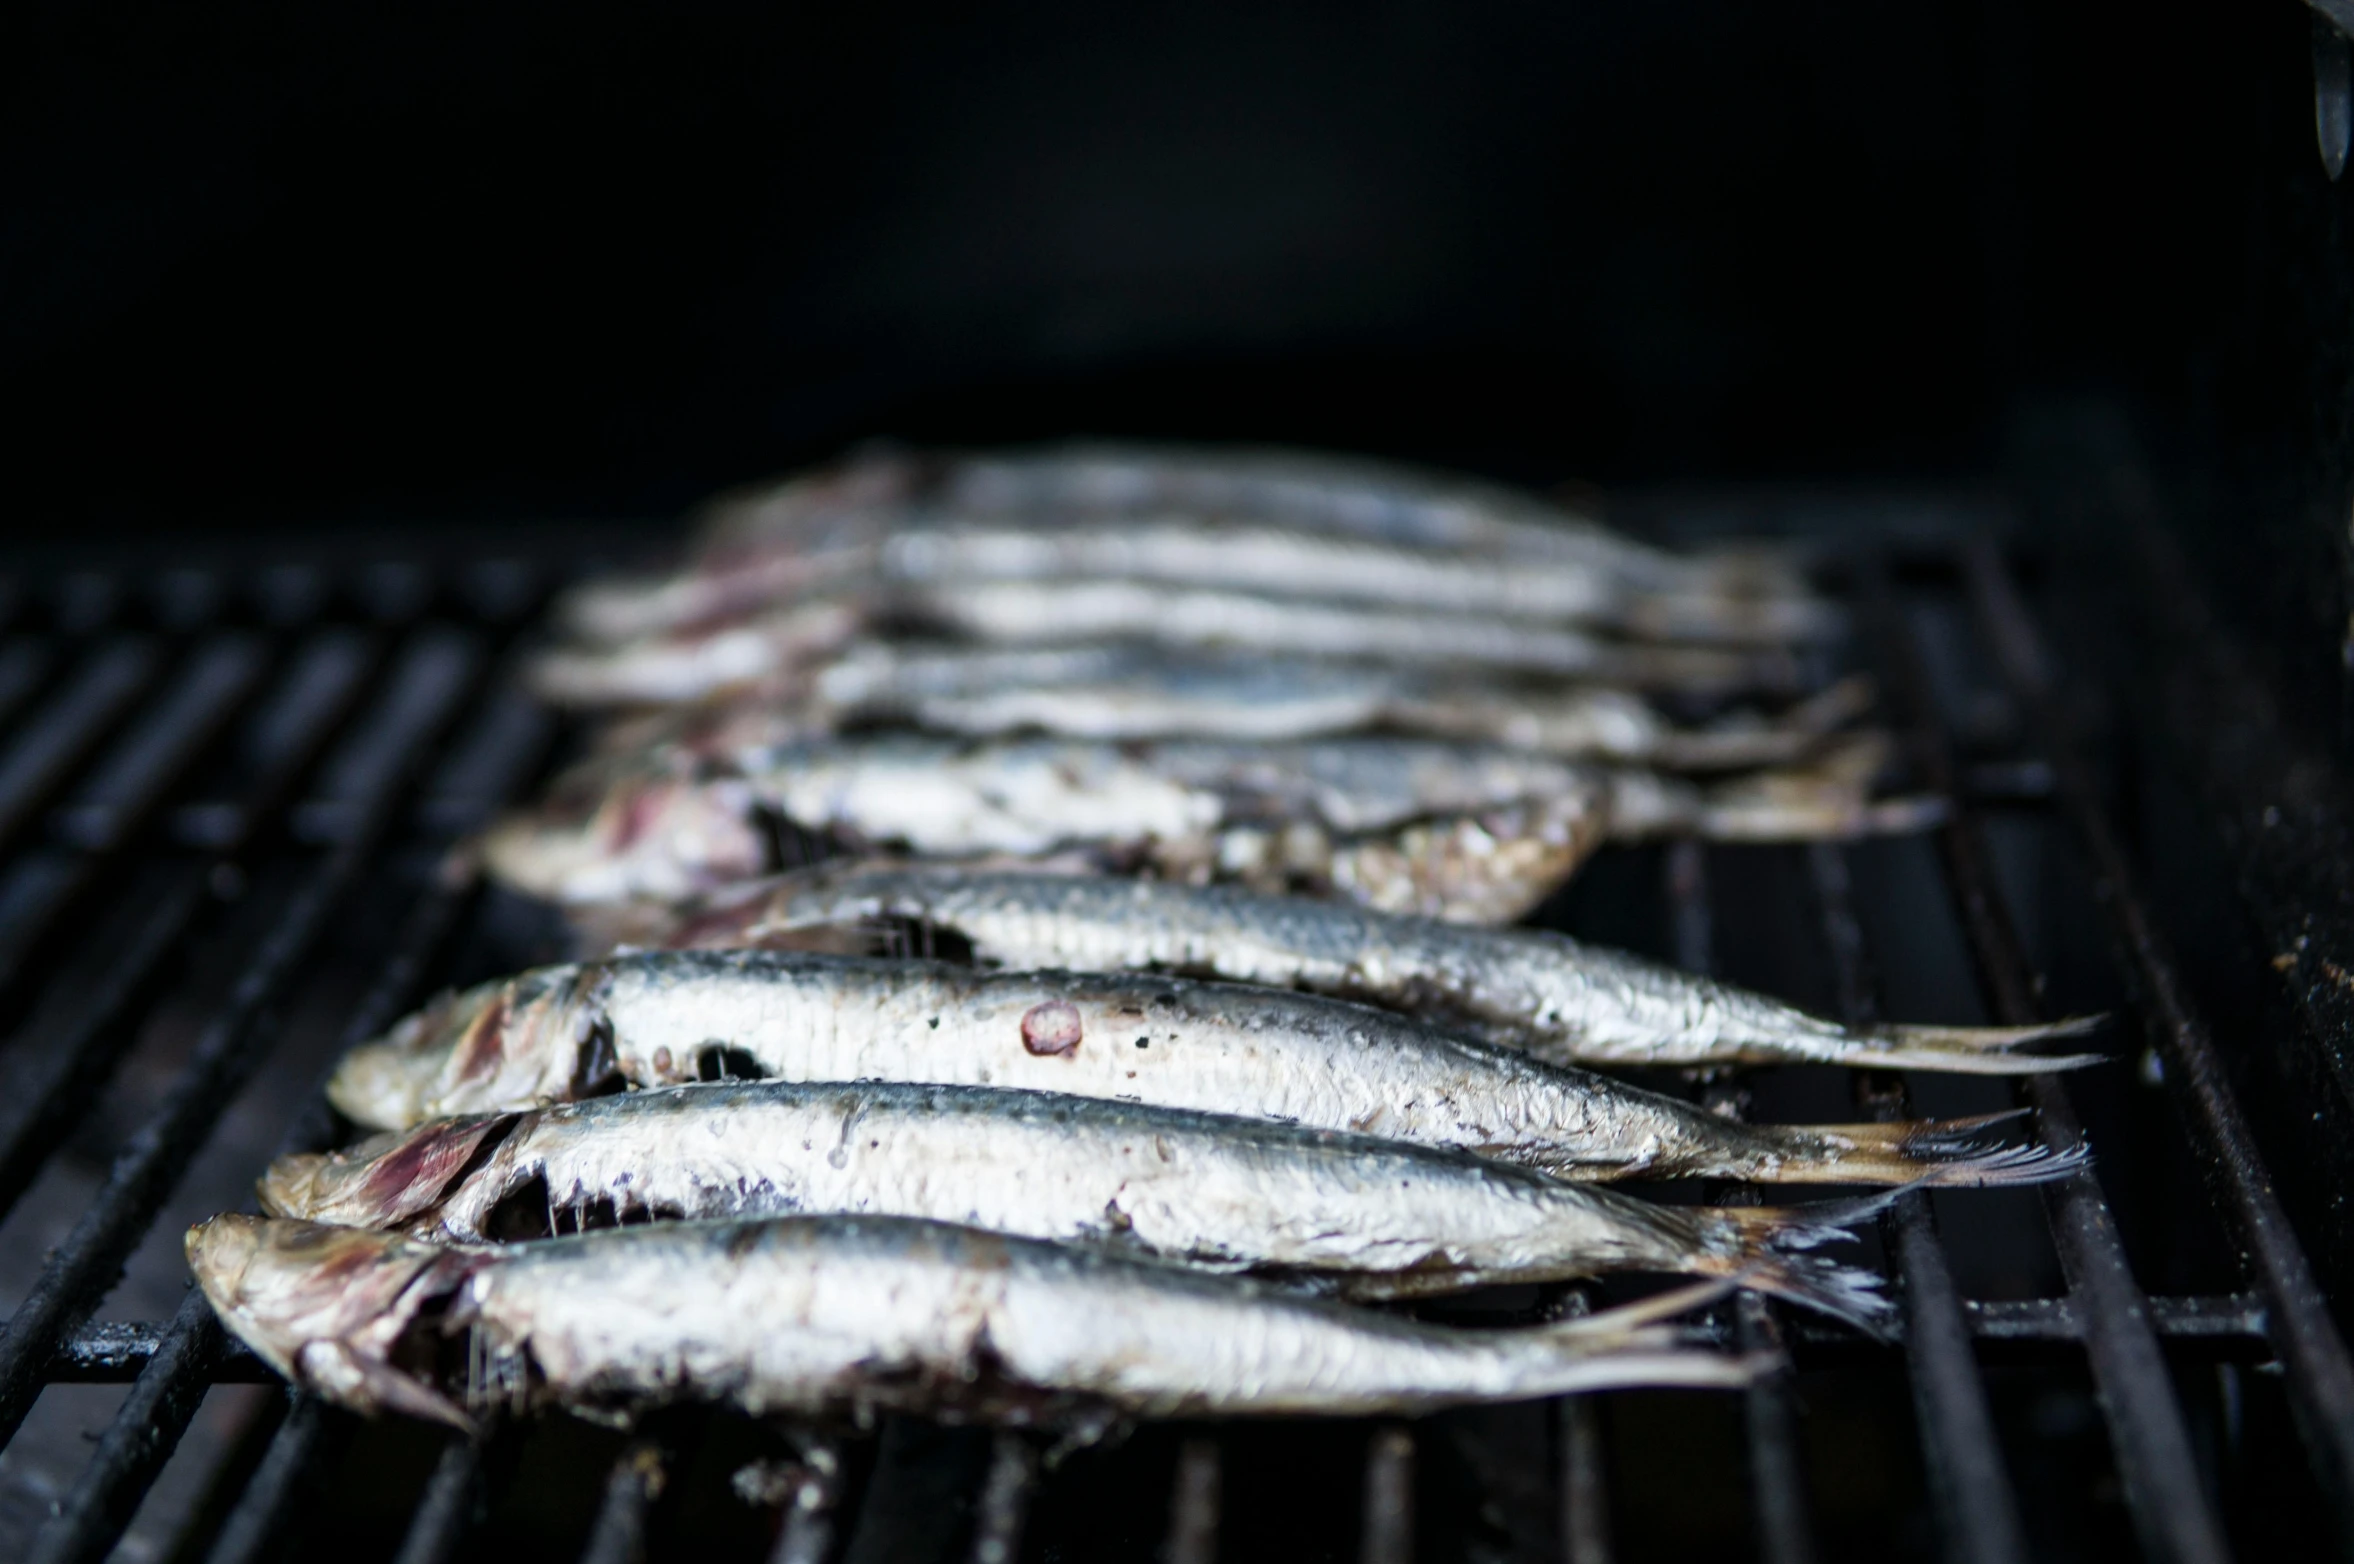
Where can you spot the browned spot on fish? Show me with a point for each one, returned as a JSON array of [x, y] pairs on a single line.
[[485, 1041], [1051, 1028]]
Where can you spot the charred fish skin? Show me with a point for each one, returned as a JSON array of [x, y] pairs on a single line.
[[832, 1316], [1364, 1216], [1532, 989], [560, 1033]]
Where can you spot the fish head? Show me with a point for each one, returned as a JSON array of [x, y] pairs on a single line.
[[332, 1308], [386, 1180], [642, 833], [538, 1038]]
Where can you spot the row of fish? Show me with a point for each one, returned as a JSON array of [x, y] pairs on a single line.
[[1191, 1037]]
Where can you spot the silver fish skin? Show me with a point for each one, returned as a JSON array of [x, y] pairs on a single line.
[[1368, 1217], [1123, 692], [1291, 563], [831, 1316], [1095, 609], [1557, 998], [561, 1033], [781, 642], [1344, 496], [1470, 832], [1336, 525]]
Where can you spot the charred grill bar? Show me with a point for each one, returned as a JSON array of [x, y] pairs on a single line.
[[172, 746]]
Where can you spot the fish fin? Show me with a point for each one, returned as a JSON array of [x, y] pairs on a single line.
[[1630, 1320], [1971, 1050], [1951, 1153], [385, 1181], [1768, 1249], [1779, 741]]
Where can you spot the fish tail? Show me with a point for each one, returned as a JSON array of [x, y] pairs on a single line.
[[1952, 1153], [1972, 1050], [1629, 1346], [1771, 1249]]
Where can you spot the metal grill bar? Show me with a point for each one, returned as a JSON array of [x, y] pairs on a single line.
[[379, 782], [2320, 1377], [42, 755], [619, 1534], [227, 1052], [1777, 1479], [806, 1535], [1968, 1487], [168, 1390], [1005, 1500], [262, 1506], [252, 1528], [82, 1053], [2171, 1512], [1388, 1533], [1193, 1504], [1585, 1492], [446, 1512]]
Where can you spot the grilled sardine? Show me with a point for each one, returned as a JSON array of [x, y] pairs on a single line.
[[1473, 833], [1369, 1217], [832, 1316], [1561, 1000], [562, 1033]]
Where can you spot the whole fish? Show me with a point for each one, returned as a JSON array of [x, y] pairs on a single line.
[[831, 1316], [1294, 563], [1563, 1001], [1128, 692], [1344, 496], [1469, 832], [782, 641], [1292, 523], [561, 1033], [1371, 1218]]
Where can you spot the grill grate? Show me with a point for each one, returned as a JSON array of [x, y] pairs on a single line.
[[169, 748]]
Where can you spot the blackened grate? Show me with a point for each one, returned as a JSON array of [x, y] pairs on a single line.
[[225, 804]]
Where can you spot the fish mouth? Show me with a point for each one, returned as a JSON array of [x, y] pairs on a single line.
[[331, 1308]]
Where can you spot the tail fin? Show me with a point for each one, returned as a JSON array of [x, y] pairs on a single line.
[[1769, 1248], [1627, 1346], [1782, 740], [1972, 1050], [1829, 797], [1947, 1153]]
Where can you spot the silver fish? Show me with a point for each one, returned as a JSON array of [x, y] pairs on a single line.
[[1343, 496], [825, 1316], [1563, 1001], [1295, 563], [1332, 526], [1371, 1218], [561, 1033], [1469, 832], [782, 642], [1121, 691]]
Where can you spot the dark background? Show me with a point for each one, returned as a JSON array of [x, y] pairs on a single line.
[[284, 268]]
